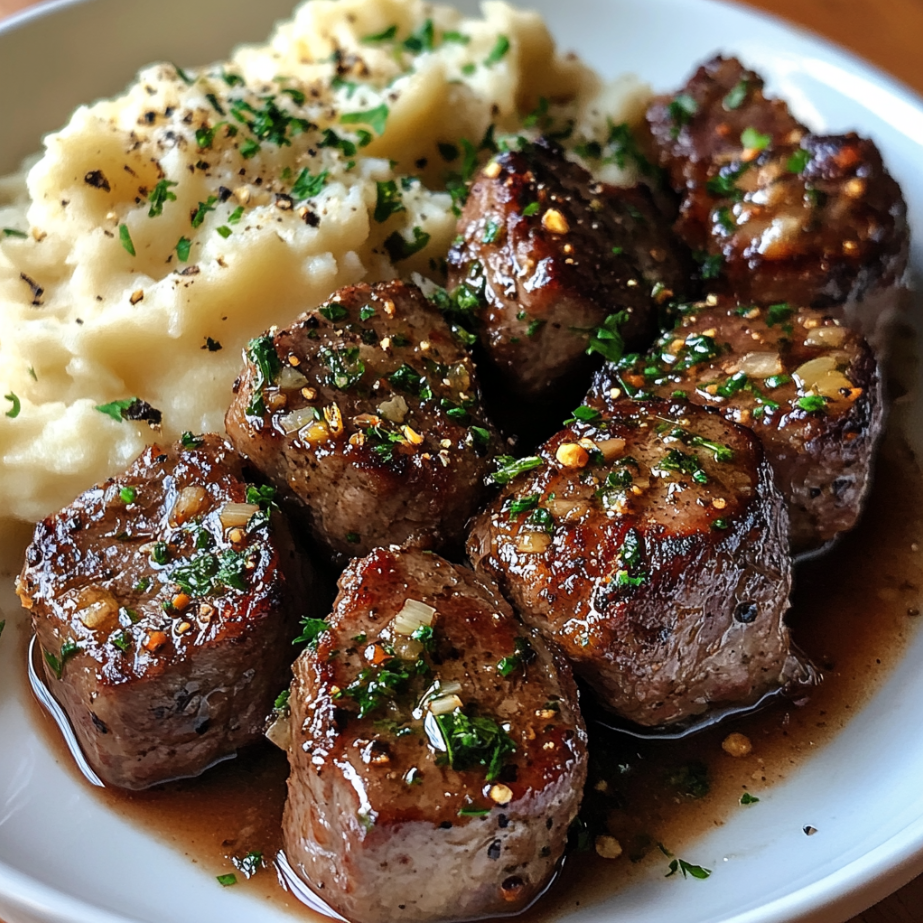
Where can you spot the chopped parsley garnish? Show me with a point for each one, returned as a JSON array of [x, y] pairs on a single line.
[[374, 118], [346, 368], [723, 217], [128, 494], [236, 215], [492, 231], [725, 183], [422, 39], [675, 460], [374, 687], [160, 195], [511, 467], [388, 201], [183, 246], [732, 385], [797, 162], [531, 209], [12, 232], [776, 381], [262, 353], [399, 248], [690, 779], [249, 147], [812, 403], [13, 412], [458, 37], [406, 378], [198, 216], [311, 630], [386, 35], [308, 186], [68, 649], [778, 313], [523, 505], [262, 495], [524, 655], [190, 440], [353, 538], [722, 453], [281, 701], [474, 742], [469, 810], [709, 264], [754, 140], [227, 880], [498, 52], [125, 238], [607, 338], [118, 410], [534, 326], [121, 640], [687, 869], [232, 80], [585, 415], [334, 311], [737, 95], [225, 232], [631, 573], [682, 108], [205, 573], [747, 798], [250, 864]]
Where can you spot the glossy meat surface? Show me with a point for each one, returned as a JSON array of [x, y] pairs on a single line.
[[367, 411], [650, 543], [773, 212], [807, 385], [550, 254], [166, 634], [433, 773]]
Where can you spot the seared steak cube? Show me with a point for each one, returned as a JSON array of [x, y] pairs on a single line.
[[648, 540], [367, 411], [165, 601], [437, 752], [807, 385], [550, 254]]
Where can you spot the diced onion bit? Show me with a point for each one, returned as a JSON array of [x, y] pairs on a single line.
[[407, 648], [394, 410], [737, 745], [445, 704], [235, 515], [413, 615], [608, 847], [807, 374], [98, 607], [334, 419], [826, 336], [297, 419], [501, 794], [290, 379], [279, 732], [533, 542], [611, 448], [191, 502], [760, 365]]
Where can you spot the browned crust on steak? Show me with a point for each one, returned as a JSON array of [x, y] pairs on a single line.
[[665, 587], [551, 254], [376, 821], [162, 683], [822, 458], [400, 443]]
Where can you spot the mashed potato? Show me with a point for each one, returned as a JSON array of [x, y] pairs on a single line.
[[160, 231]]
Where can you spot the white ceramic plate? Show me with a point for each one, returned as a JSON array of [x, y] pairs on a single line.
[[64, 858]]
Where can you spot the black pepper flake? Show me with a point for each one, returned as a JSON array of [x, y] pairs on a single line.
[[97, 179], [189, 271], [310, 219], [211, 345], [224, 193], [493, 851], [142, 411], [37, 290], [284, 202]]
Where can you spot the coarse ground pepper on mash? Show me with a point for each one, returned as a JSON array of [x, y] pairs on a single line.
[[161, 230]]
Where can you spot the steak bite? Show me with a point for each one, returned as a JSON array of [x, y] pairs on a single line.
[[647, 540], [807, 385], [776, 213], [549, 254], [437, 752], [165, 601], [367, 411]]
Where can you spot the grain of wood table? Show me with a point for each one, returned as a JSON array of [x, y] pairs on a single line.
[[888, 33]]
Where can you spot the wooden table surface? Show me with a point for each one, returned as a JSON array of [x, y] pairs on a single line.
[[890, 34]]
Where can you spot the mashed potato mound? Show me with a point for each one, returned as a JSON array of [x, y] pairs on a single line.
[[161, 230]]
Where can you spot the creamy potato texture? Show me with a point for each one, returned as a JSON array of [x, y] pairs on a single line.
[[159, 231]]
